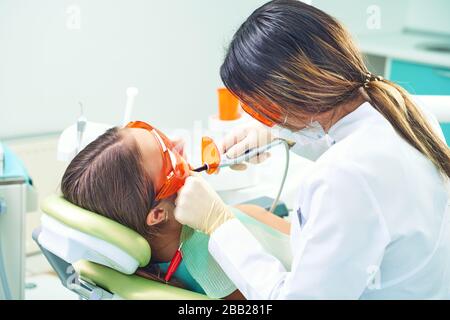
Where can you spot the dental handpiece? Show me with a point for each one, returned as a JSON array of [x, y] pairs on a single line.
[[249, 154]]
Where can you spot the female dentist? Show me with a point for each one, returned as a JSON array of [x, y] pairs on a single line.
[[373, 212]]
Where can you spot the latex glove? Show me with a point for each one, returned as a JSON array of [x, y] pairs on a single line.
[[246, 137], [179, 145], [200, 207]]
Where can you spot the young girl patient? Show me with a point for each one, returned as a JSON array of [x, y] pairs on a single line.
[[118, 176]]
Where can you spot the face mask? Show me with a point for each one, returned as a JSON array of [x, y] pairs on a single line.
[[310, 143]]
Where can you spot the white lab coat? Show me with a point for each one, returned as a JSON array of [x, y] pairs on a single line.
[[372, 223]]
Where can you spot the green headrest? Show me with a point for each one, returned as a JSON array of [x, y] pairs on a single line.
[[131, 287], [98, 226]]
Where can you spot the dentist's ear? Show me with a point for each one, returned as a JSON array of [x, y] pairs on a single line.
[[156, 216]]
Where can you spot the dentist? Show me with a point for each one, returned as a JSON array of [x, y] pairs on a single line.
[[372, 220]]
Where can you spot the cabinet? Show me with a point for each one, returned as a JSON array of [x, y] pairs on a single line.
[[417, 78], [422, 79]]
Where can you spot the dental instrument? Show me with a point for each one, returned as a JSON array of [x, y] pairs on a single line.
[[74, 138], [81, 127], [228, 116], [174, 263], [132, 92], [249, 154], [78, 135], [212, 161]]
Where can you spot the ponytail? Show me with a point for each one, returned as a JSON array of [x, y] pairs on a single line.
[[396, 105]]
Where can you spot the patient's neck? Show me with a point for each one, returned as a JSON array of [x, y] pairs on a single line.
[[166, 241]]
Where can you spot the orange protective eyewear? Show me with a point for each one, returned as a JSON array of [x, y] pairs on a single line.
[[258, 116], [175, 168]]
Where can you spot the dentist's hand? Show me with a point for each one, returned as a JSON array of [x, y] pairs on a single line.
[[246, 137], [200, 207]]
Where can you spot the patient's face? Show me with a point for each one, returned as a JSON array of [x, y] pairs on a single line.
[[151, 155], [165, 245]]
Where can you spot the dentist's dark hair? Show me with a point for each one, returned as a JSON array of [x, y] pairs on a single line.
[[290, 61]]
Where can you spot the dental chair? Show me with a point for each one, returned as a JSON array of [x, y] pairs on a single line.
[[96, 257]]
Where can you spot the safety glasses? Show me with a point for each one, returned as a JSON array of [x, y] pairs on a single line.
[[257, 116], [175, 168]]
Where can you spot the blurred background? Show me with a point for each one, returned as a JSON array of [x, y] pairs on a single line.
[[55, 54]]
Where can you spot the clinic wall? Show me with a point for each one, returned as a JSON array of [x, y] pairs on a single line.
[[429, 16], [399, 15], [170, 50], [356, 14]]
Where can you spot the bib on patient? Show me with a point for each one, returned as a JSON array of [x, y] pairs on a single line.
[[202, 266], [207, 272]]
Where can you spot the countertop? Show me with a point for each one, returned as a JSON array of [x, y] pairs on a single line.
[[406, 46]]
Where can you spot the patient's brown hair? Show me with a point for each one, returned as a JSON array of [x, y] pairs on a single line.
[[107, 178]]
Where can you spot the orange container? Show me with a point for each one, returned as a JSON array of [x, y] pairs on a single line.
[[229, 108]]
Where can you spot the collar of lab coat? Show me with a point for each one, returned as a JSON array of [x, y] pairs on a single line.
[[345, 126]]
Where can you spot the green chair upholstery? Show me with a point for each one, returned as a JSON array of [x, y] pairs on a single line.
[[131, 287], [98, 226], [87, 232]]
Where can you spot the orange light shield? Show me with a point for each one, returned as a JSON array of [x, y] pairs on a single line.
[[210, 155]]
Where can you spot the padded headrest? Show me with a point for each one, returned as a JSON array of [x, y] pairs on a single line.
[[74, 233]]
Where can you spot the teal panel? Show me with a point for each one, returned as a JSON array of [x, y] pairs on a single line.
[[446, 129], [421, 79], [14, 167], [184, 276]]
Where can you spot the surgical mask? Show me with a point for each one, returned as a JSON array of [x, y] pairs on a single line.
[[309, 143]]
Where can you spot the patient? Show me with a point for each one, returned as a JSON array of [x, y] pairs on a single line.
[[117, 175]]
